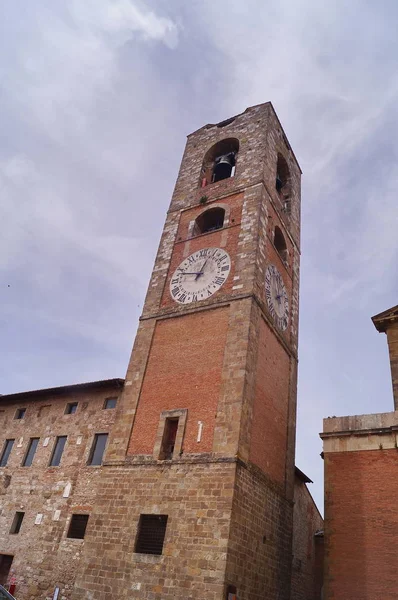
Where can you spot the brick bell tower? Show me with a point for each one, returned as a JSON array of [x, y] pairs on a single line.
[[195, 496]]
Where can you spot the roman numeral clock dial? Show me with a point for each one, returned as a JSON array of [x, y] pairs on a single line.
[[200, 275], [277, 298]]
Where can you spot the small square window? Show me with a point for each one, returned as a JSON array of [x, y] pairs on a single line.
[[151, 534], [5, 455], [110, 402], [20, 414], [77, 527], [71, 408], [17, 522], [30, 452], [98, 449]]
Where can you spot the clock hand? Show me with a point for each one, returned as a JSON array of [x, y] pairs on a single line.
[[201, 271]]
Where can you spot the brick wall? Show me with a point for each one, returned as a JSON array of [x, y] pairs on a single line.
[[361, 524]]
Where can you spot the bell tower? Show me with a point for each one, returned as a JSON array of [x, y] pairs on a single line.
[[195, 497]]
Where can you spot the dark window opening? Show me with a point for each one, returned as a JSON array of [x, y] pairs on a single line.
[[169, 439], [71, 408], [282, 177], [219, 162], [58, 450], [98, 449], [231, 593], [77, 527], [5, 455], [17, 522], [5, 566], [31, 452], [20, 414], [210, 220], [110, 402], [151, 534], [280, 244]]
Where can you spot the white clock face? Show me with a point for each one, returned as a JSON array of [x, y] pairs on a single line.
[[200, 275], [277, 298]]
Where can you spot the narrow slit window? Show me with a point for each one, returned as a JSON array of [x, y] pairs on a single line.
[[20, 413], [77, 527], [169, 439], [71, 408], [29, 456], [282, 177], [98, 449], [58, 451], [151, 534], [5, 455], [17, 522]]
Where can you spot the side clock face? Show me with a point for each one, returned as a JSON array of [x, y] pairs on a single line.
[[277, 298], [200, 275]]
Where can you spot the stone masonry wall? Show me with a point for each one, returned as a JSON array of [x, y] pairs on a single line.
[[44, 557], [197, 497]]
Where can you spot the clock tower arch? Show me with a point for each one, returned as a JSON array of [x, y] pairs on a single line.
[[205, 431]]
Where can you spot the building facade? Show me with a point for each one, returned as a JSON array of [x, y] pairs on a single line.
[[195, 494], [361, 486]]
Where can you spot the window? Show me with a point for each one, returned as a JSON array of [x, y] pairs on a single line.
[[280, 244], [282, 177], [58, 450], [31, 452], [20, 414], [98, 449], [219, 161], [110, 402], [8, 444], [17, 522], [210, 220], [71, 408], [77, 527], [169, 439], [151, 533]]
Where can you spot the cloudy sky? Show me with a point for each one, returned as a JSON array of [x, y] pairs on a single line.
[[96, 99]]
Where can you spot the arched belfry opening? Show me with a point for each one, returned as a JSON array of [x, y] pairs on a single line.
[[219, 162], [210, 220], [280, 244], [282, 182]]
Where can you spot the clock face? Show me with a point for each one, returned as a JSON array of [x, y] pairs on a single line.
[[200, 275], [277, 298]]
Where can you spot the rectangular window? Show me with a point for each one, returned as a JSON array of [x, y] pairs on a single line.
[[20, 413], [110, 402], [77, 526], [8, 444], [98, 449], [31, 452], [169, 438], [17, 522], [58, 450], [151, 533], [71, 408]]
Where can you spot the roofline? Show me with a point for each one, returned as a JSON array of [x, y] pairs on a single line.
[[65, 389], [245, 111], [304, 478], [382, 320]]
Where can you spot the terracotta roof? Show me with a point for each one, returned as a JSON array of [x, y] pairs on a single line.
[[65, 389]]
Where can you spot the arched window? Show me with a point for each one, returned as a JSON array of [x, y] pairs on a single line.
[[210, 220], [280, 244], [282, 182], [219, 162]]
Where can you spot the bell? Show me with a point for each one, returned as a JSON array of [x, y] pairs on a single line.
[[223, 166]]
